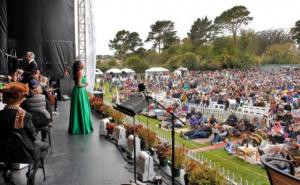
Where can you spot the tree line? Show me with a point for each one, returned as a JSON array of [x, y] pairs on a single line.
[[210, 44]]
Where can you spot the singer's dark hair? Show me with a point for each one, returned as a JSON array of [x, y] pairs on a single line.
[[141, 87], [76, 67]]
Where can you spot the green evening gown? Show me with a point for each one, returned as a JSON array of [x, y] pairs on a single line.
[[80, 114]]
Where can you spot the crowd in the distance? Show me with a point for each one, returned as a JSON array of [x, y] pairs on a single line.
[[278, 92], [27, 112]]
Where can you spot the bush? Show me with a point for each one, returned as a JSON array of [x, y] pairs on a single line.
[[137, 64], [204, 175], [190, 60], [174, 62], [180, 157], [281, 54]]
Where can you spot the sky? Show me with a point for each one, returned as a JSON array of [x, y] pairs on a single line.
[[111, 16]]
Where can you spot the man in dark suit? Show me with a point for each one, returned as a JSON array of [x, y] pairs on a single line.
[[29, 67]]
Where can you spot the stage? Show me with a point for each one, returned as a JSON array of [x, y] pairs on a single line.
[[79, 160]]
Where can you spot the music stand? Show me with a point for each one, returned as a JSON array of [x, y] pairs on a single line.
[[131, 107]]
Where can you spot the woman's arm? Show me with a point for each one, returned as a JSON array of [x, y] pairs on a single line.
[[79, 79]]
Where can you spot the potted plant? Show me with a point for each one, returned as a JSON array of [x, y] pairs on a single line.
[[205, 175], [180, 159], [132, 129], [162, 152], [148, 138], [189, 167], [110, 128]]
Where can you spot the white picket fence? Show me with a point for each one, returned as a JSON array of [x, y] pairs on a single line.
[[222, 115], [229, 175]]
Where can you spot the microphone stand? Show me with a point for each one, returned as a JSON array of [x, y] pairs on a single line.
[[134, 151], [173, 118]]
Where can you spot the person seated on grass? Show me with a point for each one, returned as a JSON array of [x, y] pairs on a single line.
[[201, 132], [193, 122], [291, 132], [220, 135], [212, 120], [190, 114], [239, 129], [277, 151], [293, 153], [232, 120], [276, 133], [288, 118]]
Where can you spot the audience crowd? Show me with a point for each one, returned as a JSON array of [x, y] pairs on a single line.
[[277, 92]]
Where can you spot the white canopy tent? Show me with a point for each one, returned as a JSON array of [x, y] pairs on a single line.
[[156, 71], [98, 72], [114, 71], [179, 71], [127, 70]]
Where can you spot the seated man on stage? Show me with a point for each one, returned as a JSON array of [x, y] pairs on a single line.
[[36, 104]]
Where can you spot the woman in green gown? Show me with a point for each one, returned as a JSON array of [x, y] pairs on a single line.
[[80, 115]]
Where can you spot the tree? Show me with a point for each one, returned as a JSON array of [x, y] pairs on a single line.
[[296, 32], [134, 41], [270, 37], [233, 19], [190, 61], [174, 62], [112, 62], [124, 43], [137, 64], [202, 30], [248, 41], [162, 34], [281, 54]]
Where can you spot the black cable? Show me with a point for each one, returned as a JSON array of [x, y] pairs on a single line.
[[119, 149]]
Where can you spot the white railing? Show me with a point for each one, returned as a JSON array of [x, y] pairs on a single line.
[[221, 114], [229, 175]]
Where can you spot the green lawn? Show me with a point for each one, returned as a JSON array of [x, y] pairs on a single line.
[[252, 173]]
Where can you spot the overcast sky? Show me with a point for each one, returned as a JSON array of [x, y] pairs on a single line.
[[112, 16]]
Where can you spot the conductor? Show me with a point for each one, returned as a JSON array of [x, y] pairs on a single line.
[[29, 67]]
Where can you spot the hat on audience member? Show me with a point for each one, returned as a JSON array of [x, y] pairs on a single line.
[[33, 84]]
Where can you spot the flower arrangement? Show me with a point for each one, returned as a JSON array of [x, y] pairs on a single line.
[[147, 136], [180, 157], [190, 166], [95, 102], [110, 128], [205, 175], [131, 129], [111, 112], [162, 151]]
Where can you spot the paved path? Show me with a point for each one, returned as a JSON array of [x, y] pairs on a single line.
[[213, 147]]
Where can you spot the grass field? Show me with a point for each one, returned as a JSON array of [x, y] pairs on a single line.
[[253, 174]]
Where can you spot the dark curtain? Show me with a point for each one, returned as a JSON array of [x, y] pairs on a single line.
[[3, 36], [45, 27]]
